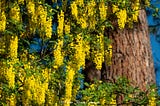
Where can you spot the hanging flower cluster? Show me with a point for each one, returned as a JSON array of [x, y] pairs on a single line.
[[136, 8], [2, 21], [102, 10], [15, 12], [39, 19], [98, 53], [122, 18], [68, 84], [58, 55], [32, 16], [13, 47], [79, 55]]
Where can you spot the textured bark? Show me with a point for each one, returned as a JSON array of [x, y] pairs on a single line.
[[132, 55]]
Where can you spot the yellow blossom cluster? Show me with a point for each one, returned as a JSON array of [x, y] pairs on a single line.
[[80, 2], [113, 102], [68, 84], [82, 21], [60, 24], [98, 59], [102, 10], [30, 5], [79, 55], [42, 17], [152, 101], [91, 8], [74, 9], [58, 54], [48, 27], [2, 21], [51, 98], [10, 75], [98, 55], [135, 7], [67, 27], [11, 101], [91, 11], [13, 47], [122, 18], [115, 8], [7, 71], [38, 19], [34, 89], [147, 2], [15, 12]]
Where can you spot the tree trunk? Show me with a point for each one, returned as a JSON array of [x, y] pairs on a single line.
[[132, 55]]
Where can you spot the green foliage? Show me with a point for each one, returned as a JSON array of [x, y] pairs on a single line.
[[121, 88]]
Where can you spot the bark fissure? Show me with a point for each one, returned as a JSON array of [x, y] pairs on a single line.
[[132, 54]]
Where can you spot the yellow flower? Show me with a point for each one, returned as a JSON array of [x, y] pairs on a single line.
[[67, 28], [58, 55], [79, 52], [68, 84], [51, 97], [30, 7], [48, 28], [98, 59], [92, 87], [60, 23], [82, 21], [80, 2], [102, 101], [10, 76], [91, 8], [40, 94], [42, 14], [122, 18], [74, 9], [98, 54], [32, 16], [15, 12], [2, 21], [102, 11], [13, 47], [12, 100], [147, 2], [92, 23], [135, 7], [113, 102], [86, 46], [152, 99], [115, 8]]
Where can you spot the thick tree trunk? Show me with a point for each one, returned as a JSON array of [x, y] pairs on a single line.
[[132, 55]]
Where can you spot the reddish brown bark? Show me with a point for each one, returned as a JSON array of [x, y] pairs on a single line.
[[132, 55]]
